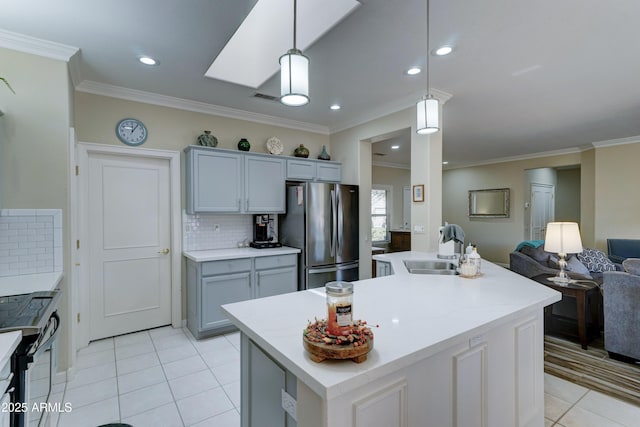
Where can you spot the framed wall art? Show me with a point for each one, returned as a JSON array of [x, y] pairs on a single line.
[[418, 193]]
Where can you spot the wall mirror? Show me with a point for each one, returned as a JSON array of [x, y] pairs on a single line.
[[492, 203]]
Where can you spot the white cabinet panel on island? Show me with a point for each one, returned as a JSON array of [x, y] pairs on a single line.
[[449, 351]]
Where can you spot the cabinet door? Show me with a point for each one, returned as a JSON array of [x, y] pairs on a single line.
[[261, 389], [328, 172], [214, 181], [382, 268], [220, 290], [275, 282], [264, 185], [301, 169]]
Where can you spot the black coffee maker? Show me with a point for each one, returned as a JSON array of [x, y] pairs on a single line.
[[262, 226]]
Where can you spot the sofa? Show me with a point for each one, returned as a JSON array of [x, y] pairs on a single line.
[[621, 303], [621, 249], [531, 261]]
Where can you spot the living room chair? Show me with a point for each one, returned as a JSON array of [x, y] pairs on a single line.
[[621, 249], [621, 304]]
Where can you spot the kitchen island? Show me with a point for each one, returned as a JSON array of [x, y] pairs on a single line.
[[448, 351]]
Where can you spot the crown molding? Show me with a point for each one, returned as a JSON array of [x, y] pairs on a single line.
[[573, 150], [517, 158], [618, 141], [391, 165], [119, 92], [392, 107], [35, 46]]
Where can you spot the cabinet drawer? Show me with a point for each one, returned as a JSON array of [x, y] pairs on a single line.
[[275, 261], [227, 266]]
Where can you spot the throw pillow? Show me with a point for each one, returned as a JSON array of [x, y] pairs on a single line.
[[576, 266], [536, 253], [596, 261], [632, 266]]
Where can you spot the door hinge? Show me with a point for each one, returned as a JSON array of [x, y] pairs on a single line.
[[78, 318], [77, 170], [77, 244]]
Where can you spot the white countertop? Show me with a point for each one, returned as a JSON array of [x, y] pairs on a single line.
[[232, 253], [418, 315], [27, 283]]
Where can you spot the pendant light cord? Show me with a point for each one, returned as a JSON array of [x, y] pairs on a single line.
[[428, 61], [295, 14]]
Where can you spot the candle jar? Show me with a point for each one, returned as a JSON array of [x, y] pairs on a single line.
[[340, 308]]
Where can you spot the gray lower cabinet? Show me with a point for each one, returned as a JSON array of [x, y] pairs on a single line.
[[383, 268], [211, 284], [262, 383]]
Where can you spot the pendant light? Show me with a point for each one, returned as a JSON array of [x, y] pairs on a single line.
[[294, 73], [427, 108]]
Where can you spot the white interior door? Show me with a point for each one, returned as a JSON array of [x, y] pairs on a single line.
[[542, 209], [129, 228]]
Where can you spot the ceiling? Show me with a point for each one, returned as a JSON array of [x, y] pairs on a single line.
[[525, 77]]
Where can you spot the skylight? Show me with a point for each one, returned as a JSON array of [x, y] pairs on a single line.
[[251, 55]]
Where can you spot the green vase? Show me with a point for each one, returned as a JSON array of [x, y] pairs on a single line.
[[301, 151], [244, 145]]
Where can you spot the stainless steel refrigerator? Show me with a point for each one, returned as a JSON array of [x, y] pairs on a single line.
[[322, 221]]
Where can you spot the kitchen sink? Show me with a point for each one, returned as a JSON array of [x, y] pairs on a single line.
[[430, 267]]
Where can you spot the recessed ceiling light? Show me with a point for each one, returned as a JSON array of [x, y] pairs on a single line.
[[395, 147], [443, 50], [445, 163], [147, 60], [335, 107], [413, 71]]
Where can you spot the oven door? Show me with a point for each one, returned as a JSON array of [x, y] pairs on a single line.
[[40, 373]]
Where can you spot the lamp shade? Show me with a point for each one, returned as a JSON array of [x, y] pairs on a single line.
[[427, 119], [563, 238], [294, 78]]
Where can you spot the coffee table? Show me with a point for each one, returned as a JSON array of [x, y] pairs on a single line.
[[588, 298]]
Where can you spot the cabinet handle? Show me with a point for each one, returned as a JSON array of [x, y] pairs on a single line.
[[246, 206], [238, 204]]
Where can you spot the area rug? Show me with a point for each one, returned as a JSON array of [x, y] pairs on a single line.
[[592, 368]]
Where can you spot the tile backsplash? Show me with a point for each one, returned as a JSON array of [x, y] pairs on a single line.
[[199, 233], [30, 241]]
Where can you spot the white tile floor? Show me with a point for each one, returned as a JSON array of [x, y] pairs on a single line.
[[164, 377]]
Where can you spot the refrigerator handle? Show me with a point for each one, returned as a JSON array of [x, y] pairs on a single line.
[[333, 223], [339, 221]]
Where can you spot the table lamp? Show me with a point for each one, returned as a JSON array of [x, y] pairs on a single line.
[[562, 238]]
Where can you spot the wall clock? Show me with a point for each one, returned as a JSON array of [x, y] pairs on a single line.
[[131, 131]]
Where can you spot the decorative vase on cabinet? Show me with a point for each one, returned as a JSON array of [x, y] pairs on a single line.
[[301, 151], [323, 154], [207, 140], [244, 145]]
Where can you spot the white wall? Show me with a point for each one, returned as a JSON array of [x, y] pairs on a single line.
[[35, 151], [353, 148]]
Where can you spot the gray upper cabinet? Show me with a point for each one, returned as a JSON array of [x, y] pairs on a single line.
[[214, 181], [264, 184], [224, 181], [314, 170]]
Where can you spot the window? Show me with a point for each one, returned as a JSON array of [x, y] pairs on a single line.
[[380, 213]]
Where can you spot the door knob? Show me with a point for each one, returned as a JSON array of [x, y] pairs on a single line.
[[164, 251]]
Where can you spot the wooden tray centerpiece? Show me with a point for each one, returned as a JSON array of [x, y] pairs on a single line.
[[321, 345]]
